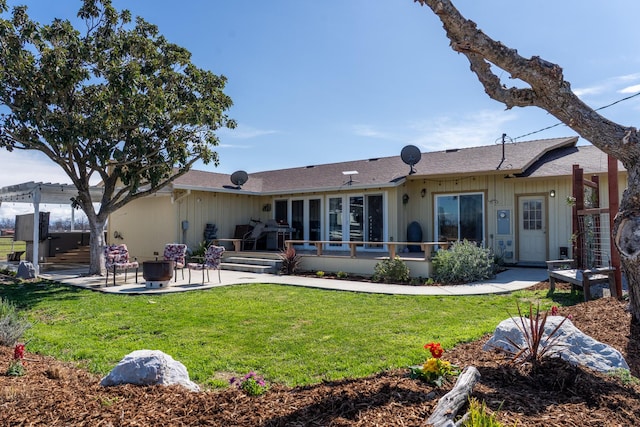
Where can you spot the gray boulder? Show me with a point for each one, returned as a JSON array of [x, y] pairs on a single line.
[[26, 270], [571, 345], [149, 367]]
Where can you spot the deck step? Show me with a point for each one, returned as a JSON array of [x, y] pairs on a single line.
[[259, 269], [251, 264], [252, 261]]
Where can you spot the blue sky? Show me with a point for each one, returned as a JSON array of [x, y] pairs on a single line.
[[326, 81]]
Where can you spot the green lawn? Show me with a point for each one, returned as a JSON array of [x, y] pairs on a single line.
[[291, 335], [8, 245]]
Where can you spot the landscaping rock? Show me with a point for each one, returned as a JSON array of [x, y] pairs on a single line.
[[149, 367], [571, 344], [26, 270]]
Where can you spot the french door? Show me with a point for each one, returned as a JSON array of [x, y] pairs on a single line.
[[356, 218], [306, 217]]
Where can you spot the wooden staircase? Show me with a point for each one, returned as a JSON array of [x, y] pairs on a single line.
[[80, 255]]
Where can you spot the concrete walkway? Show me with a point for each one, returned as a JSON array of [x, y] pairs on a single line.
[[510, 280]]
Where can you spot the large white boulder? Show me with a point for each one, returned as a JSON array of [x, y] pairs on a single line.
[[149, 367], [571, 344]]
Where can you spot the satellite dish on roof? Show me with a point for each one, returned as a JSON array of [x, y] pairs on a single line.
[[411, 155], [239, 178]]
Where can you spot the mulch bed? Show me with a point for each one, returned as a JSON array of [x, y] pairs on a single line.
[[57, 394]]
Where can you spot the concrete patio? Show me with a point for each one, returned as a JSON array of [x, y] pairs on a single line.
[[510, 280]]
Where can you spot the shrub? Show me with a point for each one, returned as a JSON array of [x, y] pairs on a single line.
[[199, 251], [320, 273], [391, 271], [342, 275], [465, 262], [12, 323], [252, 384], [290, 260]]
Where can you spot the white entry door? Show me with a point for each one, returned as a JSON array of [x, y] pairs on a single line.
[[532, 230]]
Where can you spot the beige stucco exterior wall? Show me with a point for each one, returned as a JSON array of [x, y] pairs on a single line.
[[148, 224], [500, 193], [225, 210], [145, 225], [360, 266]]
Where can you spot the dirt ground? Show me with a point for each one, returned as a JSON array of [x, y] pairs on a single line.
[[56, 394]]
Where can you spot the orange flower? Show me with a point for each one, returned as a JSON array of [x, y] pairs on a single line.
[[435, 348]]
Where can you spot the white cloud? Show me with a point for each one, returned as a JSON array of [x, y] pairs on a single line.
[[630, 89], [56, 212], [610, 85], [19, 166], [586, 91], [443, 132], [369, 132], [245, 132], [627, 78], [474, 130]]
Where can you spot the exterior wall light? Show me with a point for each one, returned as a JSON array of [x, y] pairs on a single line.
[[552, 193], [405, 198], [423, 192]]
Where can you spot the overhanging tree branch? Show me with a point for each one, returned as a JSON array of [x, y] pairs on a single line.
[[548, 89]]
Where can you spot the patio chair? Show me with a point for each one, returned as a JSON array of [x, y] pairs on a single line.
[[117, 259], [251, 238], [212, 261], [176, 252]]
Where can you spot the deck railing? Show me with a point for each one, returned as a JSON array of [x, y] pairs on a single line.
[[426, 247]]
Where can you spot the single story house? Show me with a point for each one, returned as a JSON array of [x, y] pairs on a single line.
[[509, 197]]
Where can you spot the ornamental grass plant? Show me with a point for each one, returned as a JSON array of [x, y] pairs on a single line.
[[13, 323]]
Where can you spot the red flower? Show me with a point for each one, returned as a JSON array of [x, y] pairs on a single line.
[[18, 352], [435, 348], [554, 310]]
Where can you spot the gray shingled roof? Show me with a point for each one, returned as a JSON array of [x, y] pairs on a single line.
[[560, 162], [540, 158]]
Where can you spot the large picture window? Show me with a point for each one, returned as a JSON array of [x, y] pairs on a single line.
[[460, 217]]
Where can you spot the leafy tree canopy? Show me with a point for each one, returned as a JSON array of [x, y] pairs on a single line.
[[115, 101]]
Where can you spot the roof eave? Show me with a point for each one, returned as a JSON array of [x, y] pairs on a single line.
[[333, 189]]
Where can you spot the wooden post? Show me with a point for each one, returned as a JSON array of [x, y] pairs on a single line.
[[596, 220], [578, 194], [614, 207]]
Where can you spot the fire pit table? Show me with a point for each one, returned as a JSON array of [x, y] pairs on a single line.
[[157, 274]]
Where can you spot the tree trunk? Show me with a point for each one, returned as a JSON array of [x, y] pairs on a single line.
[[96, 245], [626, 234]]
